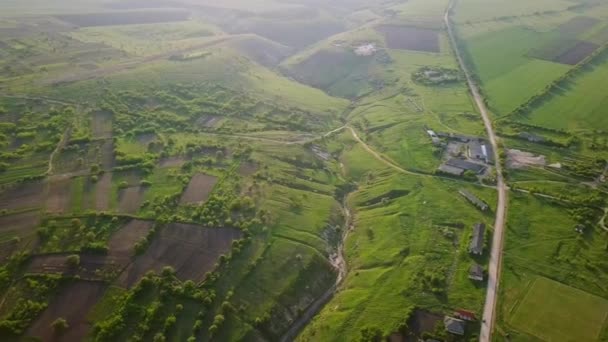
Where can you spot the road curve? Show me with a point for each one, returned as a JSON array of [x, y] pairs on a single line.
[[494, 265]]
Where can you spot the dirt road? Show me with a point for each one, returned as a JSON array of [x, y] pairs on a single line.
[[501, 208]]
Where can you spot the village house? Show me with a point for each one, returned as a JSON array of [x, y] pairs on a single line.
[[454, 325], [465, 315], [477, 242]]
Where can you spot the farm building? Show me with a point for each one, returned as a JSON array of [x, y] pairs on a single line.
[[481, 150], [434, 137], [474, 200], [466, 165], [454, 325], [476, 272], [477, 242], [466, 315], [451, 170]]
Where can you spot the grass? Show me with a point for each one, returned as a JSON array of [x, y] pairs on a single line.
[[393, 250], [548, 302], [536, 249], [577, 105], [507, 75], [481, 10]]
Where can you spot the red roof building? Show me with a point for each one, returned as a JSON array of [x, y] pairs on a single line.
[[466, 315]]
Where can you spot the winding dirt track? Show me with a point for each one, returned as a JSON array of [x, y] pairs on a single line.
[[501, 208]]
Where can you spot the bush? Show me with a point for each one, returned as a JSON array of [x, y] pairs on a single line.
[[73, 261], [59, 326]]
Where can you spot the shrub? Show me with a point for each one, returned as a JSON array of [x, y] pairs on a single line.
[[73, 261], [59, 326]]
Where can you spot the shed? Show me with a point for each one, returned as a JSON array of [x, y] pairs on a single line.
[[476, 272], [477, 242], [466, 165], [454, 325], [451, 170]]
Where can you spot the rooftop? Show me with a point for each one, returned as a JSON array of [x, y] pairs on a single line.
[[477, 242], [454, 325]]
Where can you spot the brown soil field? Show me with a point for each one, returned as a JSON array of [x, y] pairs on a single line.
[[22, 225], [410, 38], [124, 18], [191, 250], [107, 155], [172, 162], [198, 189], [577, 53], [130, 199], [24, 195], [59, 193], [103, 191], [101, 125], [297, 34], [88, 198], [122, 242], [89, 264], [577, 25], [73, 304], [247, 169]]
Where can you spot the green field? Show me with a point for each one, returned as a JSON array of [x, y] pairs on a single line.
[[548, 302], [507, 75], [578, 109]]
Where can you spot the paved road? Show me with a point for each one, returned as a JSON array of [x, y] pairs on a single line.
[[501, 209]]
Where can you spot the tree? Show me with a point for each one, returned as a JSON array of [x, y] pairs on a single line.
[[373, 334], [59, 326], [73, 261]]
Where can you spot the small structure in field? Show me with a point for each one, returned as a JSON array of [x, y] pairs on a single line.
[[465, 315], [365, 50], [477, 242], [531, 137], [454, 325], [476, 272], [483, 206], [434, 138]]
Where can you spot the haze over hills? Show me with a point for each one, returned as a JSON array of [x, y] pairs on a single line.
[[280, 170]]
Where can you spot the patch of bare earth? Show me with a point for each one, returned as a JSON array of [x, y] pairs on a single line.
[[22, 225], [72, 304], [198, 189], [177, 161], [247, 169], [101, 125], [130, 199], [122, 242], [410, 38], [59, 193], [517, 159], [23, 195], [191, 250], [89, 268], [103, 190]]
